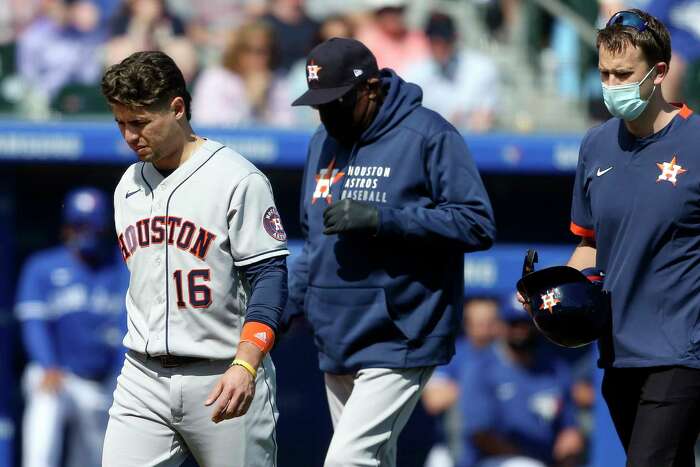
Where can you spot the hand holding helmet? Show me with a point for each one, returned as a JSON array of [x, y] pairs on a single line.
[[570, 309]]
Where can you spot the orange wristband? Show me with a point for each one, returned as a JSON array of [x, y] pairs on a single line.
[[260, 335]]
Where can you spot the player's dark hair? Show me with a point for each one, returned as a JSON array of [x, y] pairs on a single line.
[[654, 41], [145, 79]]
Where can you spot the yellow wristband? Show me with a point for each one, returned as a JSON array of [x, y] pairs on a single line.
[[245, 365]]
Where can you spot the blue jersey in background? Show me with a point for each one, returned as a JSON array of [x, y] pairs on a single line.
[[72, 316], [527, 406]]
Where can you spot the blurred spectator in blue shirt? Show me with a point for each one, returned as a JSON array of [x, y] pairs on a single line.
[[515, 403], [61, 47], [149, 25], [294, 30], [481, 326], [15, 16], [246, 89], [460, 84], [682, 18]]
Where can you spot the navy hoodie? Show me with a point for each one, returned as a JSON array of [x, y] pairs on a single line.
[[392, 300]]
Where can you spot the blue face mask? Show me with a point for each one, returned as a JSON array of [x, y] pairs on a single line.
[[624, 100]]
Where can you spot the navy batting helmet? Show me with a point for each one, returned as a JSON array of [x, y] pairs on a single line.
[[570, 309]]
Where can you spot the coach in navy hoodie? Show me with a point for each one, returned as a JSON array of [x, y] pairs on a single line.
[[390, 202]]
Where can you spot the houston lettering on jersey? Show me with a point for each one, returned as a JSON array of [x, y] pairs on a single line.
[[153, 231]]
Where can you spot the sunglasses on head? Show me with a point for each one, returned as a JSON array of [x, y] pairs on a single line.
[[630, 19]]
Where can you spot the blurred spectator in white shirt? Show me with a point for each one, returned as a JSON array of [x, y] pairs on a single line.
[[245, 88], [462, 85], [390, 39]]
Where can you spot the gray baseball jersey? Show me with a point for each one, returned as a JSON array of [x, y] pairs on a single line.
[[183, 239]]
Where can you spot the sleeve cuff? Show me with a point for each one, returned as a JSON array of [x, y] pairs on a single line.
[[260, 257], [581, 231]]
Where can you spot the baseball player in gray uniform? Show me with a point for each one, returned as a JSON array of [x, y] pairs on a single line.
[[200, 234]]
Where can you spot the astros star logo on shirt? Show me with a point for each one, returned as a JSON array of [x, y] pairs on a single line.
[[324, 180], [670, 171], [313, 70]]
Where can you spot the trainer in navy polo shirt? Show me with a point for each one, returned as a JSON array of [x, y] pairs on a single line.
[[640, 199]]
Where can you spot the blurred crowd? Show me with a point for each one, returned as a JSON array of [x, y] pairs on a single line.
[[510, 398], [477, 60]]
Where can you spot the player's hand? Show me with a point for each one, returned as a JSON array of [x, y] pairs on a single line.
[[52, 381], [569, 444], [350, 215], [524, 303], [232, 395]]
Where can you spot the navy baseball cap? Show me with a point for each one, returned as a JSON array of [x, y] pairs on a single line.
[[334, 67], [511, 311], [86, 206], [441, 26]]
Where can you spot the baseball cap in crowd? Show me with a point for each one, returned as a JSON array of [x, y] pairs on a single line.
[[334, 67], [511, 311], [382, 4], [440, 26], [86, 206]]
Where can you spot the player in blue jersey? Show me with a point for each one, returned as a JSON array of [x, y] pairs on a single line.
[[71, 309], [636, 207], [516, 403], [481, 326]]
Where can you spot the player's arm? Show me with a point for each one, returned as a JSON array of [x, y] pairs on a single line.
[[258, 248], [461, 216], [32, 311], [441, 391], [582, 223], [569, 442], [439, 395], [234, 392], [268, 296], [584, 256]]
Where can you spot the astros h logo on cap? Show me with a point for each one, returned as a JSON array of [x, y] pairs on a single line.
[[334, 67]]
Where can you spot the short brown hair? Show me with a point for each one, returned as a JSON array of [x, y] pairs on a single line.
[[145, 79], [654, 41]]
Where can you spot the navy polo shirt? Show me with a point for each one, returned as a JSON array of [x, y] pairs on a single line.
[[640, 199]]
